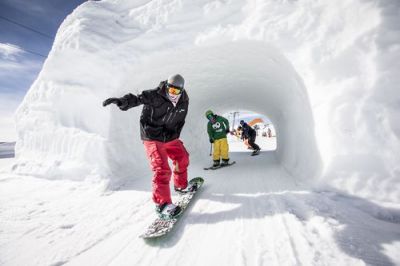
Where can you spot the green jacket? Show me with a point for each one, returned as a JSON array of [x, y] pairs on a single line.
[[219, 129]]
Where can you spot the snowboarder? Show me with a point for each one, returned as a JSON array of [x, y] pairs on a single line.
[[250, 134], [217, 129], [244, 138], [161, 122]]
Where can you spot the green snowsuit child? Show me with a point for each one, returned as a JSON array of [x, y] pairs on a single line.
[[217, 129]]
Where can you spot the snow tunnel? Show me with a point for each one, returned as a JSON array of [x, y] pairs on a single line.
[[58, 140], [242, 75]]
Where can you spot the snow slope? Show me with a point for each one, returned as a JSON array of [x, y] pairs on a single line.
[[247, 214], [78, 192]]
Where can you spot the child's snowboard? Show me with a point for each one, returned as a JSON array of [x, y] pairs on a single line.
[[219, 166]]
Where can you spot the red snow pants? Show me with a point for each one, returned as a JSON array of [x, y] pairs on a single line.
[[158, 154]]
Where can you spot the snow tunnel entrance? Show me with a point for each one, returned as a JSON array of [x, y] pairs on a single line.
[[224, 77], [265, 131]]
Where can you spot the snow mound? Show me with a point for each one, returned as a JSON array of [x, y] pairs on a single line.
[[233, 56]]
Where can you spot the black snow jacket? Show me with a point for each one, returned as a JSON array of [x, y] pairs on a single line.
[[160, 119], [248, 131]]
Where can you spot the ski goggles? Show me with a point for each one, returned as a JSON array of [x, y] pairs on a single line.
[[174, 90]]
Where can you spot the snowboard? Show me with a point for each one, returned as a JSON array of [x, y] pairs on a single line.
[[161, 226], [219, 166], [256, 153]]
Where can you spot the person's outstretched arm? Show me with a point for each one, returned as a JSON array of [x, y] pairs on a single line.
[[129, 100]]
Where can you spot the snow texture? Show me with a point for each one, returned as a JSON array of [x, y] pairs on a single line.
[[325, 72]]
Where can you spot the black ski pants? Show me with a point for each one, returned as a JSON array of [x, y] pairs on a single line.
[[252, 140]]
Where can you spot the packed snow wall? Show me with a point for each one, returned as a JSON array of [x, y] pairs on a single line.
[[225, 51]]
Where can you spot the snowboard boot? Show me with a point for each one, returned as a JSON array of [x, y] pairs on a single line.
[[190, 188], [256, 151], [168, 210], [225, 162], [216, 163]]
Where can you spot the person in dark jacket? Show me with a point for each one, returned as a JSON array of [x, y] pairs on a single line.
[[244, 138], [161, 122], [250, 134]]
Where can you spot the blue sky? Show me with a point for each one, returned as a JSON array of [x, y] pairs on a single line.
[[19, 68]]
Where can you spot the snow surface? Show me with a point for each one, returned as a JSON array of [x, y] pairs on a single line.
[[251, 213], [325, 72], [237, 145]]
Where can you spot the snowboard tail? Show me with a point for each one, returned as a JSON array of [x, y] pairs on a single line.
[[161, 226]]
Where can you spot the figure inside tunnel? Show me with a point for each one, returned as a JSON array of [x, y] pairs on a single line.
[[249, 135], [217, 129]]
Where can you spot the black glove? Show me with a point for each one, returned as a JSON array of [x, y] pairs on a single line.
[[116, 101], [122, 103], [211, 141], [227, 131]]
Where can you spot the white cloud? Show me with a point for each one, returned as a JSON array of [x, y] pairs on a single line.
[[16, 67], [9, 102], [10, 68], [10, 51], [8, 65]]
